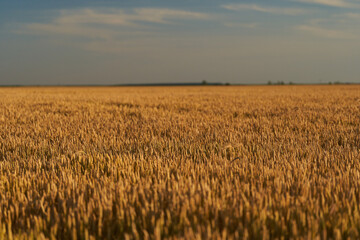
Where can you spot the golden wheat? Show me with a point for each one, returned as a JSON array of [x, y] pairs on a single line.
[[180, 162]]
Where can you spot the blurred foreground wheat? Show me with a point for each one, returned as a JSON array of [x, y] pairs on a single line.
[[151, 163]]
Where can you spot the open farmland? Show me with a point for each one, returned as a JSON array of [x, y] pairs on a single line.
[[158, 162]]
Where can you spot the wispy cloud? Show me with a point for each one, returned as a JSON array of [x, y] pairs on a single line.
[[265, 9], [121, 17], [86, 22], [109, 30], [332, 3], [335, 26], [240, 25], [326, 33], [353, 16]]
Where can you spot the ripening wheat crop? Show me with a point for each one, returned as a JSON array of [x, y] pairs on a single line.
[[180, 162]]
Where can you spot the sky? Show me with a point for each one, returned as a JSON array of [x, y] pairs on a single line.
[[110, 42]]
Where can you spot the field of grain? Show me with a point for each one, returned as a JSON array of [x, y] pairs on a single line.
[[158, 162]]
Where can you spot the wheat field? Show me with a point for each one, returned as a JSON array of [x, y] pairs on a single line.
[[225, 162]]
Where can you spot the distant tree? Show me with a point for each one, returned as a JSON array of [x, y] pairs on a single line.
[[204, 82], [291, 83], [269, 83], [330, 83], [227, 84]]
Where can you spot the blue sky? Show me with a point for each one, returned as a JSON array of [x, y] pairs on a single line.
[[120, 42]]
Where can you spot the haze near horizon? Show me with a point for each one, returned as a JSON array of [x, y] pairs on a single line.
[[142, 42]]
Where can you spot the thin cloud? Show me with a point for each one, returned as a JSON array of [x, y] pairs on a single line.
[[85, 22], [332, 3], [108, 30], [353, 16], [336, 26], [272, 10], [159, 15], [326, 33], [121, 17], [67, 30], [240, 25]]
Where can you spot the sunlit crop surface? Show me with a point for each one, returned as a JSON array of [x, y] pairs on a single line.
[[180, 162]]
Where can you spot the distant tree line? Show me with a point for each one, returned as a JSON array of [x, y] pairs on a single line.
[[337, 82], [204, 82], [279, 83], [291, 83]]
